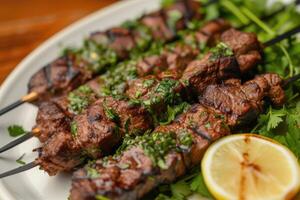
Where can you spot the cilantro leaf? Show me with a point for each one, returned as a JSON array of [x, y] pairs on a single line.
[[16, 130]]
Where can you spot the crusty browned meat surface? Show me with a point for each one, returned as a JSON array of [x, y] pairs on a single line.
[[119, 39], [244, 102], [201, 73], [209, 34], [246, 47], [221, 64], [135, 171], [59, 77], [50, 119]]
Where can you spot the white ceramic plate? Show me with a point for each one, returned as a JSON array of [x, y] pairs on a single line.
[[36, 184]]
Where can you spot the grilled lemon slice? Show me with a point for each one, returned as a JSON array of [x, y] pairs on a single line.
[[248, 166]]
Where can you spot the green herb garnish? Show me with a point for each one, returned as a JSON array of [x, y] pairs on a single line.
[[74, 129], [221, 50], [20, 161], [16, 130], [80, 99], [92, 173]]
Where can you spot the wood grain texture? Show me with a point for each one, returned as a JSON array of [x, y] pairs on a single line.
[[24, 24]]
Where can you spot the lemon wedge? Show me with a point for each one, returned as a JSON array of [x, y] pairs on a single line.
[[250, 167]]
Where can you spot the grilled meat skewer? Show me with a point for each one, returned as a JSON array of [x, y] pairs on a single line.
[[106, 48], [170, 151]]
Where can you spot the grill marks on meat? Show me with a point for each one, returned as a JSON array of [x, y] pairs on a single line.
[[50, 119], [98, 130], [201, 73], [209, 34], [243, 102], [141, 174], [206, 122], [59, 77], [246, 47], [118, 39]]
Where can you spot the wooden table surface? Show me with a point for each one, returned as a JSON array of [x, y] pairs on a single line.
[[24, 24]]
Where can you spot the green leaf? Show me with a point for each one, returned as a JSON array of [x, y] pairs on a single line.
[[199, 186], [180, 190], [16, 130], [20, 161], [275, 118]]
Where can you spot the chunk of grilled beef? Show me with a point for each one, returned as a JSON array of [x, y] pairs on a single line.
[[59, 77], [50, 119], [201, 73], [242, 103], [94, 133], [133, 173], [246, 47], [217, 66], [118, 39], [209, 34]]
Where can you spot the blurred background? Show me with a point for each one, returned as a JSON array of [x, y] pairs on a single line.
[[24, 24]]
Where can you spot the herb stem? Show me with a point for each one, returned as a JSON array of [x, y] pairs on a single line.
[[256, 20], [272, 33], [235, 10]]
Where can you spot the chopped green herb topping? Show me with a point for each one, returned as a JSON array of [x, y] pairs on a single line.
[[114, 81], [80, 99], [163, 92], [97, 56], [100, 197], [111, 113], [20, 161], [173, 17], [92, 173], [157, 145], [16, 130], [74, 129], [148, 83], [221, 50], [174, 111]]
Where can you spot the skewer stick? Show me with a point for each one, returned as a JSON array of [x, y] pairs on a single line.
[[20, 140], [282, 36], [27, 98], [18, 170], [291, 80]]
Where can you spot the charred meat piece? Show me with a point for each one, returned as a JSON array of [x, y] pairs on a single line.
[[94, 133], [209, 34], [118, 39], [153, 159], [50, 119], [246, 47], [226, 60], [242, 103], [210, 69], [59, 77]]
